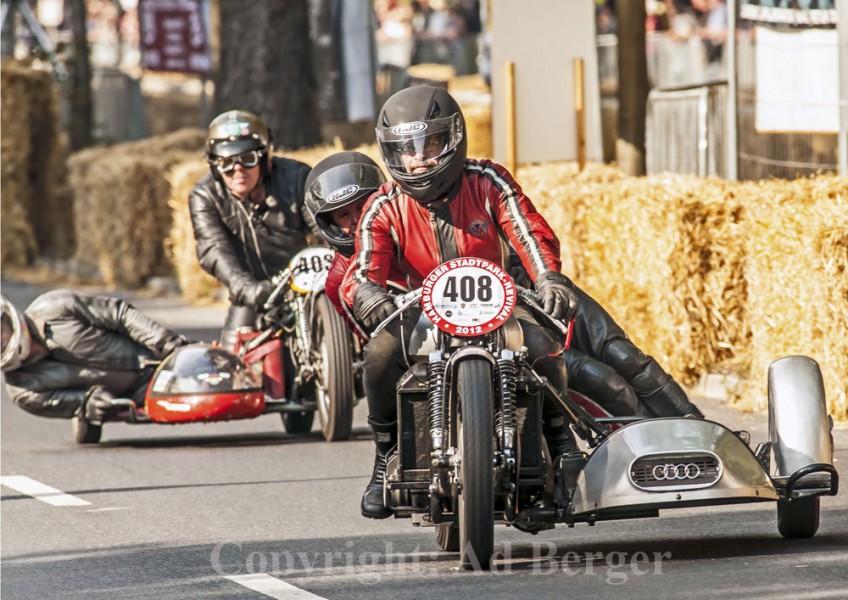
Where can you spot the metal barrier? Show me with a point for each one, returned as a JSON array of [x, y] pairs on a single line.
[[685, 130]]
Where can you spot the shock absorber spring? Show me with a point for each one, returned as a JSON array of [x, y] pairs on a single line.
[[506, 372], [435, 399], [302, 328]]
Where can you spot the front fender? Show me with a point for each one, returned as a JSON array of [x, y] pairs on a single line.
[[620, 472]]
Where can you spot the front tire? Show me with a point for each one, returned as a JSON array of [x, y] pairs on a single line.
[[85, 432], [334, 392], [799, 518], [476, 498]]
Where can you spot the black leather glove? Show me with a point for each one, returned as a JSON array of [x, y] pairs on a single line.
[[257, 294], [372, 304], [98, 406], [556, 295], [178, 341]]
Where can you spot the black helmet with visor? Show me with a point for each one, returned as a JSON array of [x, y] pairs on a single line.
[[335, 182], [421, 133]]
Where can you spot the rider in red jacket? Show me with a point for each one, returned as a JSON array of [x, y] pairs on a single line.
[[441, 206]]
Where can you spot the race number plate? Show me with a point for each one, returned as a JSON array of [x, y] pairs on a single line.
[[308, 268], [468, 296]]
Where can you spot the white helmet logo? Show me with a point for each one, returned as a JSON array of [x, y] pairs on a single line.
[[342, 194], [408, 128]]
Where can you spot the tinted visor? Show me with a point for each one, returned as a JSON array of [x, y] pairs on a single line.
[[343, 184], [425, 140]]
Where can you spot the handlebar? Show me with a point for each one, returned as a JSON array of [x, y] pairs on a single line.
[[528, 296]]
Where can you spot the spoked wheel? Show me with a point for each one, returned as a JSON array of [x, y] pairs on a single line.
[[476, 498], [334, 388], [799, 518], [447, 536], [85, 432]]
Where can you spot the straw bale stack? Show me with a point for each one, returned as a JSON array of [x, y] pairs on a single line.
[[662, 254], [797, 275], [33, 174], [196, 285], [121, 210]]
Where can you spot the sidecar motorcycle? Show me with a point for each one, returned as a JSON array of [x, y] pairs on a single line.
[[471, 453], [301, 358]]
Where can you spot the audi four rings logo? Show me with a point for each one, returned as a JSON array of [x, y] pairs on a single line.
[[670, 472], [342, 193], [407, 128]]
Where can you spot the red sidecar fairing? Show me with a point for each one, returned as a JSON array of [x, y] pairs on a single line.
[[199, 383]]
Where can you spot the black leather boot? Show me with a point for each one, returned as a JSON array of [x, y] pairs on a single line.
[[557, 433], [385, 439]]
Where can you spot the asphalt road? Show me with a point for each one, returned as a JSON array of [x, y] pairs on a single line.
[[243, 510]]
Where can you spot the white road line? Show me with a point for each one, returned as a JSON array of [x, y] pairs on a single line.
[[273, 587], [40, 491]]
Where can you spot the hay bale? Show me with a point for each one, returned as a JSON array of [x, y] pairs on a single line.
[[196, 285], [797, 273], [121, 211], [661, 254], [33, 174]]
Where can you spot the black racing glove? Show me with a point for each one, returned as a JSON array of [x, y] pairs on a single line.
[[257, 294], [372, 305], [556, 295], [98, 406], [178, 341]]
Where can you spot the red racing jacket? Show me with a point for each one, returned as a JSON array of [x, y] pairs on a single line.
[[487, 215]]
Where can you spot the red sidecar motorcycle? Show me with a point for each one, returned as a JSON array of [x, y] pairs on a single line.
[[299, 359]]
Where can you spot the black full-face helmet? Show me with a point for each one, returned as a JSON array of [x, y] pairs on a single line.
[[338, 181], [425, 121], [234, 134]]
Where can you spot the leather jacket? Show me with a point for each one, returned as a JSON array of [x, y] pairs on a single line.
[[90, 340], [242, 243], [486, 215]]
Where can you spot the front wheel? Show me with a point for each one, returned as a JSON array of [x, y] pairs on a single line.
[[334, 388], [85, 432], [799, 518], [476, 498]]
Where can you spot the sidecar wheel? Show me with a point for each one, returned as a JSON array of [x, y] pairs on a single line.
[[447, 537], [476, 498], [335, 397], [298, 422], [85, 432], [798, 519]]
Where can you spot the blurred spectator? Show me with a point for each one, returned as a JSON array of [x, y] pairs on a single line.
[[394, 32], [714, 35], [605, 21], [438, 31]]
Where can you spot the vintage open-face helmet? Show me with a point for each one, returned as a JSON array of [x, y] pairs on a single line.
[[238, 136], [17, 340]]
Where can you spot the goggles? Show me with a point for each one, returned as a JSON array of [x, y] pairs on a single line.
[[425, 140], [225, 164]]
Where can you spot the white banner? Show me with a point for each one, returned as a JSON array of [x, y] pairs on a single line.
[[797, 81]]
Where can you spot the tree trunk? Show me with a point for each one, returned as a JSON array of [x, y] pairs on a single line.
[[632, 87], [265, 67], [80, 100]]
